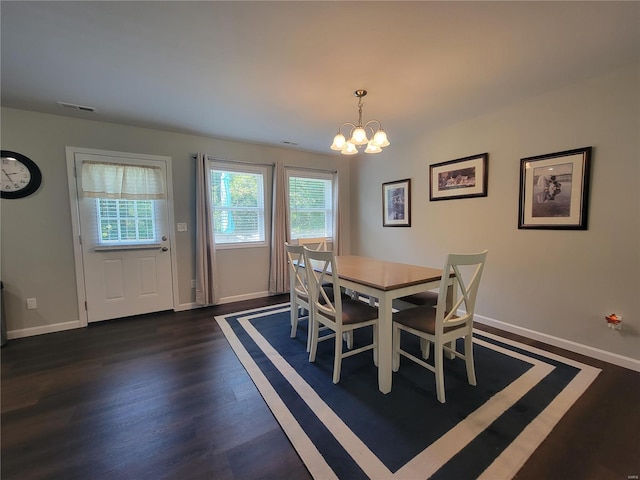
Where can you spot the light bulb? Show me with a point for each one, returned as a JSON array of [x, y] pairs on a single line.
[[350, 149], [380, 138], [359, 136], [338, 142], [372, 148]]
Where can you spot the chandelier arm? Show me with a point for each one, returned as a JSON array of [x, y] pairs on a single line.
[[350, 131], [347, 123], [374, 121]]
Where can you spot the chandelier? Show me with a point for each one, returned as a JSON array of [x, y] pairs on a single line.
[[358, 134]]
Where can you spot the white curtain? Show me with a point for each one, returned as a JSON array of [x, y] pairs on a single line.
[[338, 248], [115, 180], [278, 271], [206, 267]]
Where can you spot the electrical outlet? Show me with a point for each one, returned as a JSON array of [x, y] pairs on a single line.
[[31, 303], [193, 284], [182, 227]]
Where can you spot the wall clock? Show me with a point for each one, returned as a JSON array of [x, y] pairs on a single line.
[[20, 175]]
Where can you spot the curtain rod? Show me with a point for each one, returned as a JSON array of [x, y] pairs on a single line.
[[216, 159], [294, 167]]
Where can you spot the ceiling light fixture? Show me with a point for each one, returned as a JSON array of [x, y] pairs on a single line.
[[358, 134]]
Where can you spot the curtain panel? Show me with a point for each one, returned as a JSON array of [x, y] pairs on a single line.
[[207, 292], [115, 180], [278, 270]]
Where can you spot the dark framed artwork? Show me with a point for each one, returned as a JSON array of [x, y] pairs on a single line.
[[554, 190], [396, 203], [461, 178]]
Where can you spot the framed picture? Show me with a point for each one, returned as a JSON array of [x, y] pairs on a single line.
[[554, 190], [461, 178], [396, 203]]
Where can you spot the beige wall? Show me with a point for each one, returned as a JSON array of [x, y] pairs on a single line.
[[557, 283], [36, 240]]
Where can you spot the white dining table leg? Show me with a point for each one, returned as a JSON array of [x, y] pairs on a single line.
[[385, 346]]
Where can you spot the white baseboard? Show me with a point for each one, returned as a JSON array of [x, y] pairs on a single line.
[[239, 298], [235, 298], [186, 306], [614, 358], [30, 332]]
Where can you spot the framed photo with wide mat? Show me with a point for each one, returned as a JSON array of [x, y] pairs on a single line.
[[554, 190], [351, 430], [396, 203], [461, 178]]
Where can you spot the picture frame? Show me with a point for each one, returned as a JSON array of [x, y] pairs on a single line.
[[554, 190], [461, 178], [396, 203]]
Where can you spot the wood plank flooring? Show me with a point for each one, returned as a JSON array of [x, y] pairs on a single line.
[[163, 396]]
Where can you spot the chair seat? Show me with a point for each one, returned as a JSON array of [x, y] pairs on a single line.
[[331, 295], [422, 298], [422, 319], [354, 311]]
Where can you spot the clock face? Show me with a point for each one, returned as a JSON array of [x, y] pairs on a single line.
[[20, 175]]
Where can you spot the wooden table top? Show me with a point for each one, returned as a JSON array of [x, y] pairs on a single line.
[[384, 275]]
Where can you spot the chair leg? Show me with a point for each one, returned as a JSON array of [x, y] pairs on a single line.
[[309, 331], [468, 358], [375, 344], [439, 371], [452, 346], [337, 358], [314, 341], [348, 337], [425, 347], [395, 366], [294, 319]]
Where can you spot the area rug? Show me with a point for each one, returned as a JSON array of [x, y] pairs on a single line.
[[352, 431]]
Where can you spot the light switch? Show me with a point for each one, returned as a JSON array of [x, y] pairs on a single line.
[[182, 227]]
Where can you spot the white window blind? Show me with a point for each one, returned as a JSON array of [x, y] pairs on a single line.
[[238, 199], [310, 204]]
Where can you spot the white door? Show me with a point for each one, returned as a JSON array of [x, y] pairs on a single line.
[[125, 246]]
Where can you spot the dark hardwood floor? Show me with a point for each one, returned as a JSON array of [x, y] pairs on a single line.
[[163, 396]]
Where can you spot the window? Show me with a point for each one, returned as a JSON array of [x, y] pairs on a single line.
[[238, 199], [124, 200], [125, 221], [310, 204]]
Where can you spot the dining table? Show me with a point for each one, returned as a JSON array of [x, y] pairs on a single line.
[[386, 281]]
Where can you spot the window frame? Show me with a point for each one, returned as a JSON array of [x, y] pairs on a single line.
[[315, 175], [253, 169], [118, 218]]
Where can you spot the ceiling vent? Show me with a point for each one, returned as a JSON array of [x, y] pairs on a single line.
[[82, 108]]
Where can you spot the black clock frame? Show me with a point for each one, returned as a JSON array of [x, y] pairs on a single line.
[[34, 182]]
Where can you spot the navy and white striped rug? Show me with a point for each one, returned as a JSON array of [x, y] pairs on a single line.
[[352, 431]]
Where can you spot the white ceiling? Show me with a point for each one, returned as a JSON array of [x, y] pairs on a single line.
[[268, 72]]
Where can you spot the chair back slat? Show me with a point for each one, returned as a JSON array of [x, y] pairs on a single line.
[[320, 266], [318, 244], [297, 272], [465, 287]]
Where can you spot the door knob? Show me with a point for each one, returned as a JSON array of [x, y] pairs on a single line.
[[164, 238], [164, 249]]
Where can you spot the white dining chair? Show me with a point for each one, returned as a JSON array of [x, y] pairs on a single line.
[[437, 326], [339, 313], [299, 291], [314, 243]]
